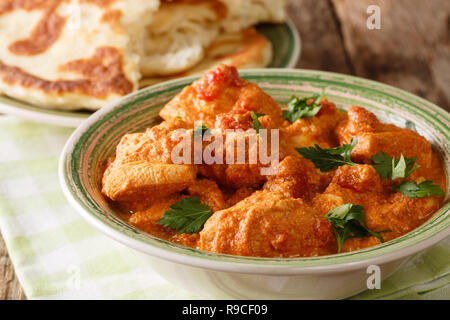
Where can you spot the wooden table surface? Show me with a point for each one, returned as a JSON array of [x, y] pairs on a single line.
[[410, 51]]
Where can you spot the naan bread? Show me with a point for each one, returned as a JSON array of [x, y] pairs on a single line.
[[84, 54], [245, 13], [243, 49], [180, 32], [72, 54]]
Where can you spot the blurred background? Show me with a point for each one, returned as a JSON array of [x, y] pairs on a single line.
[[410, 51]]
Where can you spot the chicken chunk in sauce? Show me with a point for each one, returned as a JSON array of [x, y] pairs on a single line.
[[267, 224]]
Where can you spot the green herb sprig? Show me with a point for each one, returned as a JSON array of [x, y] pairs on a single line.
[[200, 130], [391, 168], [300, 108], [329, 159], [256, 124], [426, 188], [349, 221], [186, 216]]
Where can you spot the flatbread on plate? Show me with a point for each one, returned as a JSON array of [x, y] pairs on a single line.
[[73, 54], [243, 49], [178, 35], [181, 31], [242, 14]]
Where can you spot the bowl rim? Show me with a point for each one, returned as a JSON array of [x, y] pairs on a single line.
[[229, 263], [296, 45]]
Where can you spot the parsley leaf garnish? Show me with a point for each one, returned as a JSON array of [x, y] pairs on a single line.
[[392, 168], [200, 130], [256, 123], [186, 216], [329, 159], [299, 107], [399, 168], [424, 189], [349, 221], [382, 164]]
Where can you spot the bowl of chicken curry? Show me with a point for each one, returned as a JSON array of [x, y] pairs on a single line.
[[302, 178]]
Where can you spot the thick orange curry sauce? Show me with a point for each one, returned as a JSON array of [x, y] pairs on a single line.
[[281, 215]]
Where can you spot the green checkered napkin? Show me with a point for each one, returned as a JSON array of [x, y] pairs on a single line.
[[57, 255]]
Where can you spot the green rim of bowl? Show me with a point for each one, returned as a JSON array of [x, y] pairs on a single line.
[[285, 43], [96, 139], [286, 51]]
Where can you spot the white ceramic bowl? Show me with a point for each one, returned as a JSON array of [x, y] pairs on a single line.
[[224, 276]]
